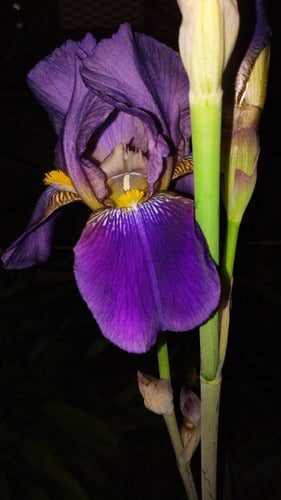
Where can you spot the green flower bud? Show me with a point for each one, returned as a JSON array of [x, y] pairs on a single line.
[[240, 173], [240, 151], [190, 430]]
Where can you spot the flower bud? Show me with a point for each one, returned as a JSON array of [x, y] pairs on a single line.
[[157, 394], [250, 93], [190, 439], [190, 406], [190, 430], [206, 39], [239, 163], [240, 172]]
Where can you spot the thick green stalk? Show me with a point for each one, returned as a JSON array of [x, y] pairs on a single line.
[[209, 348], [171, 422], [206, 134], [206, 127], [210, 397]]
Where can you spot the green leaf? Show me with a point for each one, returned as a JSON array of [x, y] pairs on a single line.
[[75, 419], [98, 346], [33, 491], [4, 486], [48, 466]]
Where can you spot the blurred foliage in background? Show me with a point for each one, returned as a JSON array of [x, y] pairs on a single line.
[[73, 425]]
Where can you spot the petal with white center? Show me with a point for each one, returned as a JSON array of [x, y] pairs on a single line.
[[145, 270]]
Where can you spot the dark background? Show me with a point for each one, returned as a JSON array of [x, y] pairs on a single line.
[[72, 421]]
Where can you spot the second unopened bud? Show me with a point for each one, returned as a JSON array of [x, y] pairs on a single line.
[[157, 394]]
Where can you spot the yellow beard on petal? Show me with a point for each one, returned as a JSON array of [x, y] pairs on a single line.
[[130, 199], [57, 177]]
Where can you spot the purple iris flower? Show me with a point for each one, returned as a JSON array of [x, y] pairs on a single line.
[[120, 110]]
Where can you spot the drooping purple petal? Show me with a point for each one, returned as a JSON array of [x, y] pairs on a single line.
[[52, 79], [146, 270], [34, 245], [260, 39]]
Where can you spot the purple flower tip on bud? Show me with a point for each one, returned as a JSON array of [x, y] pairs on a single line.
[[190, 407], [190, 430], [157, 394]]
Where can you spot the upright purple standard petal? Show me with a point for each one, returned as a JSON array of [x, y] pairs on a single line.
[[150, 83], [87, 114], [151, 77], [52, 79], [165, 77], [146, 270], [118, 127]]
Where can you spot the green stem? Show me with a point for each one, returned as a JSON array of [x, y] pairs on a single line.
[[184, 469], [232, 231], [206, 135], [206, 125], [171, 422], [210, 398], [163, 357], [209, 348]]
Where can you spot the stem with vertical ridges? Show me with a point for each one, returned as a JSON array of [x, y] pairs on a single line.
[[206, 135], [171, 422]]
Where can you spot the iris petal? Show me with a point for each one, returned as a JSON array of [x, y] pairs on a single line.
[[146, 270], [34, 245], [151, 77], [151, 83], [52, 79], [82, 174], [119, 127], [185, 184], [164, 75]]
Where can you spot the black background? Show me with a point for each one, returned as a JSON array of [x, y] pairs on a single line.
[[72, 418]]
